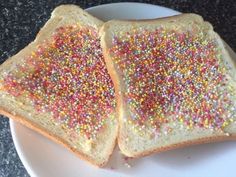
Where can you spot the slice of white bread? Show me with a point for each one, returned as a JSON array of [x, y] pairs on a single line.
[[175, 83], [59, 86]]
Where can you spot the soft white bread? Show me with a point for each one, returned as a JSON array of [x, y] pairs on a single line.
[[20, 107], [146, 57]]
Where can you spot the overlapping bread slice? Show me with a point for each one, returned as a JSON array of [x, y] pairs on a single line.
[[59, 86], [175, 83]]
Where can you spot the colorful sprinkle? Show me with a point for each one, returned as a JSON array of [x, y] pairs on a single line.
[[173, 76], [67, 77]]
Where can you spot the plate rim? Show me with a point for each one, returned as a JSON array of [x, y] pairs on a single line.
[[131, 3]]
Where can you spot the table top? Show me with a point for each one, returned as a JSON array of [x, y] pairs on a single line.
[[21, 20]]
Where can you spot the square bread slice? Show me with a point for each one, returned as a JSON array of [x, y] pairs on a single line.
[[175, 83], [59, 86]]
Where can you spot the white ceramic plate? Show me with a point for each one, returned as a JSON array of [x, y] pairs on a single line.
[[43, 158]]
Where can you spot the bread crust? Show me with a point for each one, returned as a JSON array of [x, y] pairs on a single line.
[[53, 137], [188, 143]]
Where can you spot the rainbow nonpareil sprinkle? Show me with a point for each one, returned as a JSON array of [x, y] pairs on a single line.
[[173, 76], [67, 77]]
